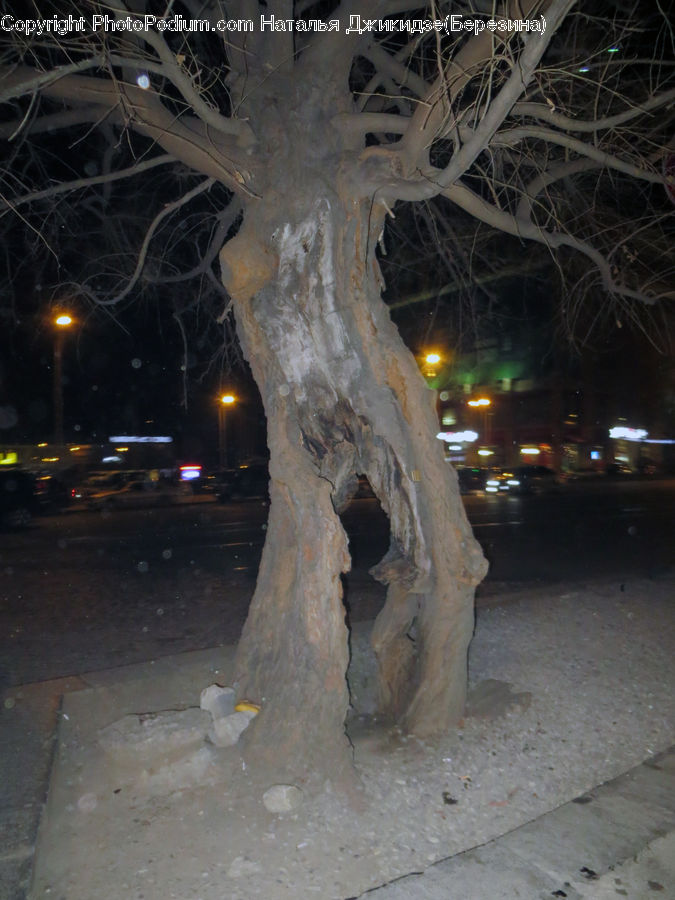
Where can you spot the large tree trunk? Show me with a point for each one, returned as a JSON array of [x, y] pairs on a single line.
[[342, 396]]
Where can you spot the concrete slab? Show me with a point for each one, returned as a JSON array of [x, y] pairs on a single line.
[[491, 871], [605, 845], [579, 840], [646, 784], [650, 874]]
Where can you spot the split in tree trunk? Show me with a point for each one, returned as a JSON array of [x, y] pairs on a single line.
[[342, 396]]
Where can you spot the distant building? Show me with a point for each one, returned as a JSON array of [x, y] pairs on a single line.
[[521, 411]]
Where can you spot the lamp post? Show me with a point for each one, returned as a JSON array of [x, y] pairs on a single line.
[[225, 401], [62, 322]]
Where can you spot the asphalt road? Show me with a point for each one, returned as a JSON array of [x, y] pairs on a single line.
[[593, 529], [90, 590], [607, 529]]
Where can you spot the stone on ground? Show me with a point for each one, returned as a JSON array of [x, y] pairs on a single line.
[[282, 798], [140, 739], [225, 732], [219, 701]]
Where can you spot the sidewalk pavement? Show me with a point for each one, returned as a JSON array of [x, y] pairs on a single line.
[[617, 840], [28, 729]]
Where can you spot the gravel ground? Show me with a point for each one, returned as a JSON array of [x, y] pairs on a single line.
[[590, 673]]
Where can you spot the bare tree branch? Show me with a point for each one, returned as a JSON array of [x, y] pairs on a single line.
[[168, 210], [394, 68], [225, 222], [19, 80], [174, 71], [185, 138], [511, 137], [490, 215], [521, 75], [567, 123], [547, 178], [478, 52], [80, 183], [48, 123]]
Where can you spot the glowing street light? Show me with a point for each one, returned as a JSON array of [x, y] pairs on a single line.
[[225, 401], [62, 322], [431, 359]]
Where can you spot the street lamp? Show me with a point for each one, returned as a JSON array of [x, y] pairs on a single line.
[[62, 322], [225, 401], [431, 359]]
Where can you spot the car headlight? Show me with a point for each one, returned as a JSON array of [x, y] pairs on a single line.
[[513, 481], [492, 483]]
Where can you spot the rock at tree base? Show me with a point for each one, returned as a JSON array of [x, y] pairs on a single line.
[[226, 731], [282, 798], [142, 739], [219, 701]]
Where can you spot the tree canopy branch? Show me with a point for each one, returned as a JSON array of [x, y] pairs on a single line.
[[567, 123], [186, 138], [503, 221], [80, 183], [167, 210], [512, 136], [479, 51]]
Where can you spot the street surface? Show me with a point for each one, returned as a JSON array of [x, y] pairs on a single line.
[[87, 590], [597, 529]]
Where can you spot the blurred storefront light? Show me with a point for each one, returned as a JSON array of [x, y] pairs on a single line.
[[455, 437], [623, 433]]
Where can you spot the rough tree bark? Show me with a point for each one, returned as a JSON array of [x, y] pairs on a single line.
[[342, 396]]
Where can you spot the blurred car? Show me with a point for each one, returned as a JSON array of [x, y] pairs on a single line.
[[523, 480], [500, 481], [212, 481], [52, 493], [126, 490], [96, 482], [471, 480], [247, 481], [585, 473], [18, 499], [619, 470]]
